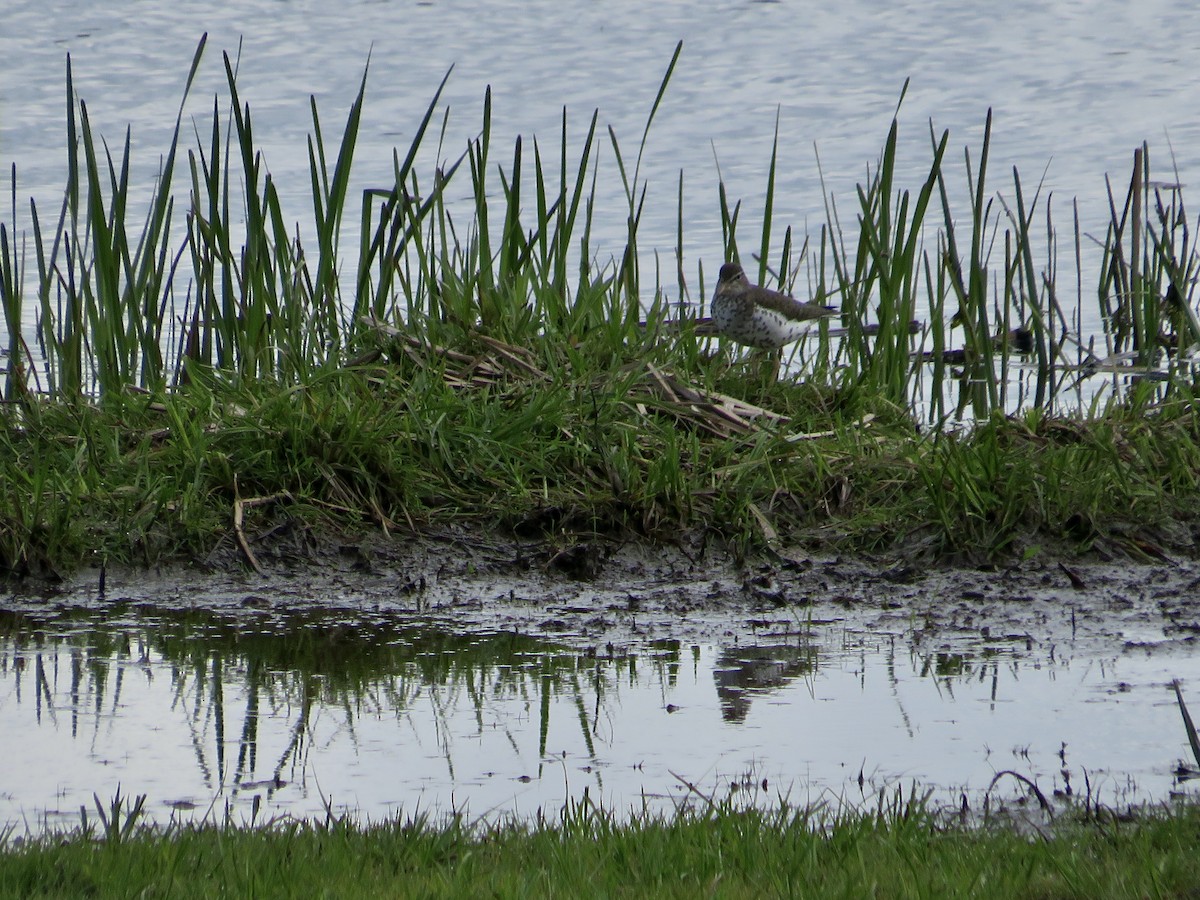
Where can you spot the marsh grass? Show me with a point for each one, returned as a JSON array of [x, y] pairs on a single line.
[[904, 849], [489, 364]]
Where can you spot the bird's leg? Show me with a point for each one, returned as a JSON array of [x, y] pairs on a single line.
[[776, 357], [767, 366]]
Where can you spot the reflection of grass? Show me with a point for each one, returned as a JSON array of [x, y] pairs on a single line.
[[489, 364], [724, 852], [360, 667]]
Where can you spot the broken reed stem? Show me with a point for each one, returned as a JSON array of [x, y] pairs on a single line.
[[1033, 788], [239, 533], [239, 517], [1193, 738]]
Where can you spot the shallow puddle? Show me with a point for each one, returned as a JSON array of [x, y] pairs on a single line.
[[212, 714]]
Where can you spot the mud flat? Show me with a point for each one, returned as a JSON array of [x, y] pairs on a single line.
[[509, 678], [593, 594]]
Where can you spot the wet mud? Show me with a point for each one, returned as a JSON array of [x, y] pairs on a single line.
[[593, 595], [518, 674]]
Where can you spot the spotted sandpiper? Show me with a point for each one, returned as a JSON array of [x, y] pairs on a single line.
[[757, 316]]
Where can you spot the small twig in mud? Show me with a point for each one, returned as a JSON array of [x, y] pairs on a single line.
[[1034, 789], [1193, 739], [1151, 550], [692, 789], [1076, 582], [239, 516], [771, 536]]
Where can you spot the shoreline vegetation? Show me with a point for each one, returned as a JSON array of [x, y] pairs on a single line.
[[190, 377], [902, 850]]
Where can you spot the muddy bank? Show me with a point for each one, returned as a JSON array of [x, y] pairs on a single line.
[[516, 676], [625, 594]]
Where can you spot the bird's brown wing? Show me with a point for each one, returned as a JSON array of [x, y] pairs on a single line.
[[790, 306]]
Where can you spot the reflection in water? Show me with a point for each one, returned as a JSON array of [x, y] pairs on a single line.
[[258, 705], [744, 672], [227, 679], [215, 716]]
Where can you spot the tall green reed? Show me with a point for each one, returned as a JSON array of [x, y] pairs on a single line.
[[260, 310], [257, 303]]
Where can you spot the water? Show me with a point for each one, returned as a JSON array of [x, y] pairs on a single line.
[[1075, 88], [202, 713], [257, 714]]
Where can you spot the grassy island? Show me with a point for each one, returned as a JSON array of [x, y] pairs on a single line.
[[174, 375]]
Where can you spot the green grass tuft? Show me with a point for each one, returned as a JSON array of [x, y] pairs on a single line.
[[585, 851]]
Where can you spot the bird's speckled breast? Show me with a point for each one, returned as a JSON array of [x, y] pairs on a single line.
[[731, 313], [740, 319]]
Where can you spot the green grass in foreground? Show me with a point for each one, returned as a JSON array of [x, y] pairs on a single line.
[[723, 853], [486, 365]]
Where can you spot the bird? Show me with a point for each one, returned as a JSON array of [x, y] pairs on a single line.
[[757, 316]]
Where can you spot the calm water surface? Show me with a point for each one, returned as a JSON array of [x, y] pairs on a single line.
[[379, 714], [1075, 86]]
